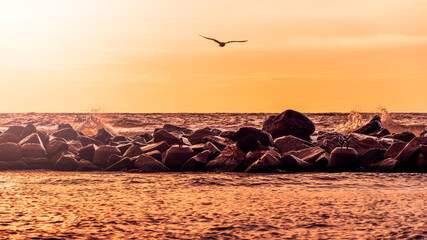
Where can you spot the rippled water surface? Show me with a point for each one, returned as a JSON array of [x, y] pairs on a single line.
[[212, 206]]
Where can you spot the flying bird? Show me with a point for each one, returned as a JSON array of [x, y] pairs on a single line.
[[222, 44]]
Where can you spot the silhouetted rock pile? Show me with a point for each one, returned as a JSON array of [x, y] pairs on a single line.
[[287, 143]]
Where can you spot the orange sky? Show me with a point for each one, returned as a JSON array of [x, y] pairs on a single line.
[[147, 56]]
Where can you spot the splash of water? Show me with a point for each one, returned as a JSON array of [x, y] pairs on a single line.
[[354, 121], [94, 122]]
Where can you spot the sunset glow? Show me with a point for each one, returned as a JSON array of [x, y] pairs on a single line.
[[147, 56]]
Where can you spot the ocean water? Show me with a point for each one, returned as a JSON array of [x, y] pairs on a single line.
[[100, 205]]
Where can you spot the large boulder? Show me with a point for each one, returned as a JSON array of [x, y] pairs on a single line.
[[295, 164], [8, 137], [362, 143], [403, 136], [13, 165], [133, 151], [409, 153], [386, 165], [30, 128], [102, 135], [124, 163], [160, 146], [394, 149], [371, 156], [231, 159], [66, 133], [198, 135], [33, 150], [290, 122], [86, 152], [343, 159], [10, 151], [269, 162], [247, 138], [314, 155], [197, 162], [163, 135], [32, 138], [85, 140], [177, 129], [66, 163], [373, 126], [253, 156], [37, 163], [291, 143], [15, 130], [56, 146], [102, 154], [329, 141], [86, 166], [148, 164], [176, 156]]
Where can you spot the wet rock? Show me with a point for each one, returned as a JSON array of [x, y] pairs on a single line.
[[228, 134], [160, 146], [253, 156], [343, 159], [372, 156], [408, 153], [146, 136], [86, 152], [66, 133], [177, 129], [156, 154], [403, 136], [197, 162], [218, 141], [64, 126], [198, 148], [176, 156], [291, 143], [147, 164], [114, 159], [386, 165], [394, 150], [421, 162], [124, 163], [102, 154], [85, 140], [32, 138], [290, 122], [37, 163], [373, 126], [119, 138], [102, 135], [87, 166], [56, 146], [231, 159], [124, 147], [309, 155], [10, 151], [269, 162], [198, 135], [8, 137], [15, 130], [74, 146], [362, 143], [133, 151], [44, 138], [295, 164], [423, 133], [13, 165], [213, 150], [380, 133], [163, 135], [247, 138], [33, 150], [329, 141], [66, 163], [30, 128]]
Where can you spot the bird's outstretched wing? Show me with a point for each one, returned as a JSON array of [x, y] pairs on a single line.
[[211, 39], [236, 41]]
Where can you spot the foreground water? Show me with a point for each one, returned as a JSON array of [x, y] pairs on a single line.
[[102, 205]]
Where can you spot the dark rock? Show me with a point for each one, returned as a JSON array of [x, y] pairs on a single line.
[[198, 135], [394, 150], [228, 134], [197, 162], [32, 138], [362, 143], [133, 151], [269, 162], [231, 159], [85, 140], [30, 128], [253, 156], [421, 163], [114, 159], [146, 136], [247, 138], [423, 133], [119, 138], [8, 137], [386, 165], [37, 163], [66, 133], [64, 126], [403, 136], [177, 129], [290, 122], [329, 141], [124, 147], [408, 153], [13, 165], [15, 130], [148, 164], [33, 150], [139, 141], [198, 148], [156, 154], [102, 135], [56, 146], [44, 138], [10, 151], [102, 154], [66, 163], [160, 146], [373, 126], [176, 157], [380, 133], [372, 156], [310, 155], [291, 143], [214, 151], [74, 146], [87, 166], [163, 135], [343, 159], [124, 163], [218, 141], [294, 164]]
